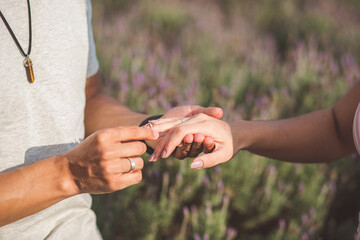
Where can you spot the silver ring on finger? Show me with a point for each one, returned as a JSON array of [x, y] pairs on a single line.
[[132, 165], [182, 119]]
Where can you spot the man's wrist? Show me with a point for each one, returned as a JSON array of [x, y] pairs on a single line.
[[67, 185]]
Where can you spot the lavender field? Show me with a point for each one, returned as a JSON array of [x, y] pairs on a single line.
[[265, 59]]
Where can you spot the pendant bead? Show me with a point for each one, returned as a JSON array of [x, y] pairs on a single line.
[[29, 70]]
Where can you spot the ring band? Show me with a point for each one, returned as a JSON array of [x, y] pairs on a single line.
[[182, 119], [132, 163]]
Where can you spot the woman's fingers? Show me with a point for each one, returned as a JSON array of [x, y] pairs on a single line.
[[220, 155], [175, 137], [162, 125]]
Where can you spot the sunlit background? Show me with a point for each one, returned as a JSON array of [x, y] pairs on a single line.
[[264, 59]]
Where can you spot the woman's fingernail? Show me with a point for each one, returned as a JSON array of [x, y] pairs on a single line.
[[163, 154], [146, 126], [197, 164], [151, 158]]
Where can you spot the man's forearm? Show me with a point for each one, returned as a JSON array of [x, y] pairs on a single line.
[[30, 189], [102, 111]]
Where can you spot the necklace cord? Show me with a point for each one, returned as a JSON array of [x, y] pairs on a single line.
[[13, 35]]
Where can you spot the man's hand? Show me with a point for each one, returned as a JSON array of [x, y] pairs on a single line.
[[193, 144], [100, 164]]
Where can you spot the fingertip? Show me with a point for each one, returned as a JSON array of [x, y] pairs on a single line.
[[197, 164], [215, 112], [188, 138], [199, 137], [208, 141]]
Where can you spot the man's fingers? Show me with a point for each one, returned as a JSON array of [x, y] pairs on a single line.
[[122, 181], [211, 111], [132, 133], [197, 145], [135, 148], [214, 112], [182, 152], [183, 149], [123, 165], [208, 145]]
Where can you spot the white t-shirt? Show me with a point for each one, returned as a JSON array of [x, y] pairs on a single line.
[[46, 118]]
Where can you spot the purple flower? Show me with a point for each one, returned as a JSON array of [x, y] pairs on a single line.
[[139, 80], [312, 212], [304, 236], [332, 186], [151, 91], [282, 224], [301, 188], [206, 180], [220, 185], [230, 233], [208, 209], [196, 236], [194, 209], [218, 171], [281, 185], [305, 219], [271, 169], [186, 211]]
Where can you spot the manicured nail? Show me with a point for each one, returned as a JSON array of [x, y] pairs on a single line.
[[163, 154], [151, 158], [197, 164], [146, 126], [154, 157]]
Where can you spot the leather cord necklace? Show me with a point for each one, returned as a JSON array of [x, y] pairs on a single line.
[[27, 61]]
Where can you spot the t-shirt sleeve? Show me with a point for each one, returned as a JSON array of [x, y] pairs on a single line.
[[93, 63]]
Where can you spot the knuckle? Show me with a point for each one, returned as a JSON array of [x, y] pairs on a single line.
[[178, 131], [201, 116], [105, 154], [102, 136], [132, 132], [106, 169]]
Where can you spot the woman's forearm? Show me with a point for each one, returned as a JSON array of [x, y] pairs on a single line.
[[320, 136], [307, 138]]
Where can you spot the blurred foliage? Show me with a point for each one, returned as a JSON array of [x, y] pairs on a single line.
[[265, 60]]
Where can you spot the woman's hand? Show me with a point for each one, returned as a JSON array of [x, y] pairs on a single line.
[[101, 163], [176, 130], [192, 145]]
